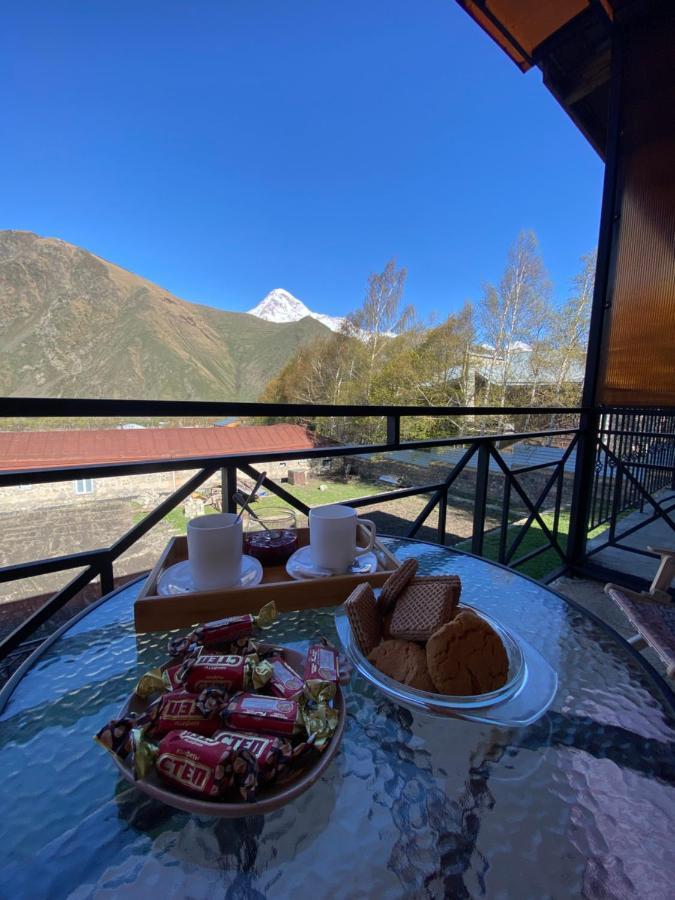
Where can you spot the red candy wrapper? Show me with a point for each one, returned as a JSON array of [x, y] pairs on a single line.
[[272, 754], [203, 766], [226, 631], [269, 715], [272, 715], [322, 672], [228, 673], [285, 681], [181, 710]]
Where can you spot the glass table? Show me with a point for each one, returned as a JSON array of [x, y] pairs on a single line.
[[580, 803]]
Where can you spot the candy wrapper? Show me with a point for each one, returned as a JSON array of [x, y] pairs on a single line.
[[115, 737], [199, 765], [272, 715], [229, 673], [322, 672], [157, 680], [285, 681], [226, 631], [273, 755], [182, 710]]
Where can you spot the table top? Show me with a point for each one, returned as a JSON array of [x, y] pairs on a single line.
[[580, 803]]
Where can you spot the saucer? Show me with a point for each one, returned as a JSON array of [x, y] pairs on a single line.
[[178, 578], [301, 566]]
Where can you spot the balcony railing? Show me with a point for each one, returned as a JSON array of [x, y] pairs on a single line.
[[587, 443]]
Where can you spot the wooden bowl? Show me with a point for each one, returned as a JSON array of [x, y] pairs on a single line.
[[271, 797]]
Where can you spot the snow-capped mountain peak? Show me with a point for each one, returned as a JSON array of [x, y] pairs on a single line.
[[280, 306]]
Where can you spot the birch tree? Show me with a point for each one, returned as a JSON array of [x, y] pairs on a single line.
[[515, 314], [570, 330], [380, 316]]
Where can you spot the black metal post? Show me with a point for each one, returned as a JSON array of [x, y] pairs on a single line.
[[504, 528], [393, 430], [228, 484], [480, 497], [609, 226], [442, 516], [107, 577]]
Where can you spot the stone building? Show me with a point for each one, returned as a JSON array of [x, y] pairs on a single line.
[[25, 450]]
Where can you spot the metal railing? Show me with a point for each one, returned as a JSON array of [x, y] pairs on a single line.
[[640, 442], [630, 453], [634, 464], [479, 450]]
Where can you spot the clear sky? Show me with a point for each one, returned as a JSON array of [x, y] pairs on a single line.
[[222, 148]]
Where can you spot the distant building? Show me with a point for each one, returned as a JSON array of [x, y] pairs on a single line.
[[26, 450], [517, 372]]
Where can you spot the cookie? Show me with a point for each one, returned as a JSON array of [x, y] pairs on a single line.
[[405, 662], [424, 606], [466, 656], [395, 584], [361, 609]]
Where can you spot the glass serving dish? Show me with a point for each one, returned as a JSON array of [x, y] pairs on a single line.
[[526, 695], [271, 537]]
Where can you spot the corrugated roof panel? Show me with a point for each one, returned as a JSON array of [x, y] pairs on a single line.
[[44, 449]]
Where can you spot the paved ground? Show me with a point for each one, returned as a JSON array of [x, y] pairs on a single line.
[[591, 596], [656, 534]]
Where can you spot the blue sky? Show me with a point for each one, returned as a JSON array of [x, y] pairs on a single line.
[[222, 148]]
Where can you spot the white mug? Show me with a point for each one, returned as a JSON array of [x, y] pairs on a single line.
[[332, 537], [215, 550]]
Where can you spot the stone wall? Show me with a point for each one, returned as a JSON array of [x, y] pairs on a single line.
[[464, 487], [147, 489]]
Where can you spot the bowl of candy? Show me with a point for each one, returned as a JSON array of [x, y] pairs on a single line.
[[229, 726], [271, 536]]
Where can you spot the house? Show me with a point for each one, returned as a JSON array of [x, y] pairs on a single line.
[[27, 450]]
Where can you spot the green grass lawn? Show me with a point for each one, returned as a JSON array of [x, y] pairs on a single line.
[[541, 565], [335, 492], [310, 494]]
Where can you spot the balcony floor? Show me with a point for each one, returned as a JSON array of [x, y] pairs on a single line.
[[591, 596], [656, 534]]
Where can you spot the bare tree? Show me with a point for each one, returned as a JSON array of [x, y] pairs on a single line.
[[380, 317], [571, 324], [515, 315]]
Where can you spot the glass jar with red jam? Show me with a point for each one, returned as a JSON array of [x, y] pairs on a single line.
[[272, 536]]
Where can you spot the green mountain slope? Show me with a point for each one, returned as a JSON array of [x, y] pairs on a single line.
[[74, 325]]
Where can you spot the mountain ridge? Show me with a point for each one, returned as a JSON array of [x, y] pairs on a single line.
[[75, 324]]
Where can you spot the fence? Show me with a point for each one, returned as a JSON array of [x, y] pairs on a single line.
[[648, 436]]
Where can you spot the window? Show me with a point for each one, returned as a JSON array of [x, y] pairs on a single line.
[[84, 486]]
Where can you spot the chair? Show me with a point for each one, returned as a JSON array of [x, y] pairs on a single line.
[[652, 612]]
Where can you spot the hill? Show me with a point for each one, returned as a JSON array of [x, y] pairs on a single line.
[[74, 325]]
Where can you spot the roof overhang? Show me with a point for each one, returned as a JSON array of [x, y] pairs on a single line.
[[570, 41]]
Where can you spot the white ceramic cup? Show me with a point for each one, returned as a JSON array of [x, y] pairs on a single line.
[[332, 536], [215, 550]]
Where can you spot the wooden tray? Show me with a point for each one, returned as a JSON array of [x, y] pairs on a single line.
[[153, 612]]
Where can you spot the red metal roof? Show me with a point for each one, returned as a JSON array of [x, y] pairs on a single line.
[[44, 449]]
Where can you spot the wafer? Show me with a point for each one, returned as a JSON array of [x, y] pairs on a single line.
[[424, 606], [395, 584], [361, 609]]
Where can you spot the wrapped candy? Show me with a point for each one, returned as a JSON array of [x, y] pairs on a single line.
[[272, 754], [272, 715], [158, 680], [182, 710], [224, 632], [285, 681], [322, 672], [200, 765], [229, 673]]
